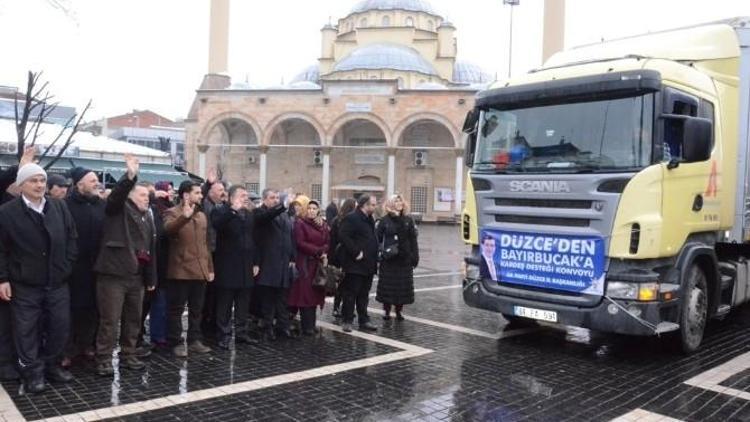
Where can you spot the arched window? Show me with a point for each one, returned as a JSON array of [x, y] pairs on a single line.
[[409, 21], [386, 21], [430, 25], [363, 23]]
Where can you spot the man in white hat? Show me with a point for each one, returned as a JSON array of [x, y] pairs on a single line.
[[37, 251]]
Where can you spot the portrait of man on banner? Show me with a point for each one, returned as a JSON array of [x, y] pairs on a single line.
[[487, 269]]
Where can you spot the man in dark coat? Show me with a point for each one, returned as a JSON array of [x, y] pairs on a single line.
[[8, 358], [213, 193], [126, 264], [276, 256], [359, 262], [87, 210], [236, 262], [37, 251]]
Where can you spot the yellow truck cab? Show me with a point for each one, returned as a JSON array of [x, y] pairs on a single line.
[[609, 189]]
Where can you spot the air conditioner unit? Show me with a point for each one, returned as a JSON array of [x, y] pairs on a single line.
[[420, 158], [12, 148], [251, 159], [318, 157]]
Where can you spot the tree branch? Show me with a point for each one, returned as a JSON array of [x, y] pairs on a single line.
[[70, 137]]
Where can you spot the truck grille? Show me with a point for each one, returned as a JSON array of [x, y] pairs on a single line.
[[544, 221], [544, 203]]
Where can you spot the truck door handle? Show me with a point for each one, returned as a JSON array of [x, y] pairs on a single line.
[[698, 203]]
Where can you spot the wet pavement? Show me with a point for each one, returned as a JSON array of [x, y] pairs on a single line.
[[445, 362]]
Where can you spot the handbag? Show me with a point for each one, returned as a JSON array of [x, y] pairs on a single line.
[[321, 278], [334, 276], [387, 252]]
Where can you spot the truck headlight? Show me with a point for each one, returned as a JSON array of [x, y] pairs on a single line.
[[622, 290], [644, 292]]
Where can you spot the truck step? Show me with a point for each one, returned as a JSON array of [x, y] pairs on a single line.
[[666, 327], [726, 281], [723, 310]]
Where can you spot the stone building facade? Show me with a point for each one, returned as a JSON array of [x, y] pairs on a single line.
[[380, 112]]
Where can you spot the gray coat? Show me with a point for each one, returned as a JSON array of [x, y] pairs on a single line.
[[276, 249]]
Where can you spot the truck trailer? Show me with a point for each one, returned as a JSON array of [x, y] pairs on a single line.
[[609, 188]]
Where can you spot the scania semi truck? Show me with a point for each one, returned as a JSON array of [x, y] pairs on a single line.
[[609, 188]]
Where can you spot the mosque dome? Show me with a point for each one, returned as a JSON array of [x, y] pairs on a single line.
[[385, 56], [409, 5], [309, 74], [469, 73]]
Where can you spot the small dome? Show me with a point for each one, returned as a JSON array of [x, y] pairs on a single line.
[[409, 5], [242, 85], [385, 56], [309, 74], [469, 73], [304, 85]]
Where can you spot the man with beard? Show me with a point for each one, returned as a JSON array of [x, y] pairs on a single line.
[[87, 210]]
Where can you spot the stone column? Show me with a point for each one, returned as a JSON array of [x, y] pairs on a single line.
[[202, 149], [326, 185], [459, 189], [391, 187], [263, 167]]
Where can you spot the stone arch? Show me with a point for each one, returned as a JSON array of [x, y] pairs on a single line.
[[219, 118], [437, 118], [349, 117], [273, 124]]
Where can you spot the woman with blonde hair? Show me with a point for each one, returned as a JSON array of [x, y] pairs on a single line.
[[399, 255]]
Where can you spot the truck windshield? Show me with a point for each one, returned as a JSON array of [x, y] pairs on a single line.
[[609, 135]]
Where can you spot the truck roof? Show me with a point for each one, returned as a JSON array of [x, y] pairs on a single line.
[[707, 41]]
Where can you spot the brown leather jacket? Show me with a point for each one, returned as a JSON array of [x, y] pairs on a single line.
[[189, 253]]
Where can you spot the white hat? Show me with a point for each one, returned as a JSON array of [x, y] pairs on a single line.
[[28, 171]]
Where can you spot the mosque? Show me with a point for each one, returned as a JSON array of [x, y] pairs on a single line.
[[380, 112]]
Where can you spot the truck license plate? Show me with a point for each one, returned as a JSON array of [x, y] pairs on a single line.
[[532, 313]]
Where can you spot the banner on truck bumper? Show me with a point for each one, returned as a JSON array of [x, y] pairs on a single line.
[[559, 262]]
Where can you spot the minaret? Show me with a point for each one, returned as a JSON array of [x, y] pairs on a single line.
[[554, 28], [218, 47]]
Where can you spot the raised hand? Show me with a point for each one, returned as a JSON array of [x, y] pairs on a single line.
[[188, 209], [132, 164], [28, 156], [212, 176]]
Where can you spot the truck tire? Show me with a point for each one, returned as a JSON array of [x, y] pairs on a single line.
[[694, 311]]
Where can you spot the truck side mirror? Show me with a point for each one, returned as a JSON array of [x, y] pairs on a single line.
[[469, 148], [697, 140], [470, 129]]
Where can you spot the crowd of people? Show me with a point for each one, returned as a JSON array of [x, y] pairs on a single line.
[[84, 270]]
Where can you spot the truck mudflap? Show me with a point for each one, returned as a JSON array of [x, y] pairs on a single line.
[[610, 315]]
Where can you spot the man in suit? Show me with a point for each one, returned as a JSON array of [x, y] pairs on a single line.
[[359, 261], [487, 268], [276, 255]]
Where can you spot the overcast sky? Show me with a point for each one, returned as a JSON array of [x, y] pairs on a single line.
[[152, 54]]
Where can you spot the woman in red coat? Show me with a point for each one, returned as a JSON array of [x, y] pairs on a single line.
[[311, 236]]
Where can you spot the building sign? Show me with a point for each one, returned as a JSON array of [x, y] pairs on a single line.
[[558, 262], [338, 90], [358, 107], [443, 199], [371, 158]]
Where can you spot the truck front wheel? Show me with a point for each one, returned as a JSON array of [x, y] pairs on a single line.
[[694, 310]]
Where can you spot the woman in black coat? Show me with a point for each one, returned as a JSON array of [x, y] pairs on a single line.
[[397, 235]]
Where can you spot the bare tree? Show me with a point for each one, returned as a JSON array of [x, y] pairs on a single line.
[[38, 105]]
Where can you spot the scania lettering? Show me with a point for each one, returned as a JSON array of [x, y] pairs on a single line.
[[608, 189]]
